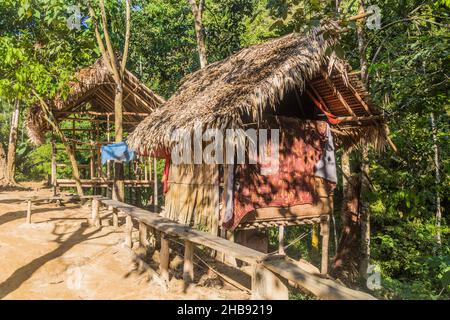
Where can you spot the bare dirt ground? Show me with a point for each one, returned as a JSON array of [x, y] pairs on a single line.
[[59, 256]]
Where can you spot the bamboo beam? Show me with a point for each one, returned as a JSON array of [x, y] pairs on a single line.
[[106, 114], [353, 118]]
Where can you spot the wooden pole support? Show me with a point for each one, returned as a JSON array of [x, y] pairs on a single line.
[[267, 285], [143, 234], [188, 268], [128, 231], [155, 183], [95, 220], [115, 218], [281, 240], [29, 211], [325, 233], [164, 258]]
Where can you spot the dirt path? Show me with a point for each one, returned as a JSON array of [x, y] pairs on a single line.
[[59, 256]]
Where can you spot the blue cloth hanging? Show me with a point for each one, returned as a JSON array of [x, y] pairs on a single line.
[[117, 151]]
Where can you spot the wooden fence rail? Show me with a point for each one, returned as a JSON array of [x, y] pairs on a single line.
[[270, 274]]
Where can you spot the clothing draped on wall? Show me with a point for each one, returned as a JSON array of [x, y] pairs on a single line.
[[300, 150]]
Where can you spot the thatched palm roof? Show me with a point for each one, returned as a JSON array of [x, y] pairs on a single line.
[[94, 84], [247, 86]]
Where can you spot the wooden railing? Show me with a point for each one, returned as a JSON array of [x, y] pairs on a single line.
[[271, 275]]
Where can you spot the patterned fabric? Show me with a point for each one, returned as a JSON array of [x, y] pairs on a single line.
[[301, 145]]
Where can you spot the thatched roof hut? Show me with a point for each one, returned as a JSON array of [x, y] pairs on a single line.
[[92, 92], [251, 84]]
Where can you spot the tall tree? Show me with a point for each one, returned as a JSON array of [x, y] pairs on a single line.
[[117, 69], [437, 174], [197, 12], [365, 187]]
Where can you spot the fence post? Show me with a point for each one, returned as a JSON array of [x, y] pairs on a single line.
[[188, 267], [164, 258], [266, 285], [29, 211], [128, 231], [324, 232], [95, 210], [143, 234], [115, 218]]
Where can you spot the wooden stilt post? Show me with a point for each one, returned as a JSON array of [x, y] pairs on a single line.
[[143, 234], [281, 240], [155, 183], [164, 258], [54, 169], [128, 231], [95, 219], [266, 285], [188, 268], [325, 233], [29, 211]]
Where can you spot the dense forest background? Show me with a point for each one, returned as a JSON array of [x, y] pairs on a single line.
[[408, 77]]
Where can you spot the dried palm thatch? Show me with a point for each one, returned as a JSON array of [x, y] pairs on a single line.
[[247, 86], [94, 84]]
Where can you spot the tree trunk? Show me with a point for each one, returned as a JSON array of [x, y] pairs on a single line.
[[2, 165], [364, 212], [75, 170], [347, 260], [437, 180], [119, 186], [11, 159], [70, 152], [365, 188], [197, 12]]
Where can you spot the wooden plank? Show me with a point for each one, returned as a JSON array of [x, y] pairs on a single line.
[[267, 285], [188, 267], [164, 258], [186, 233], [317, 285]]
